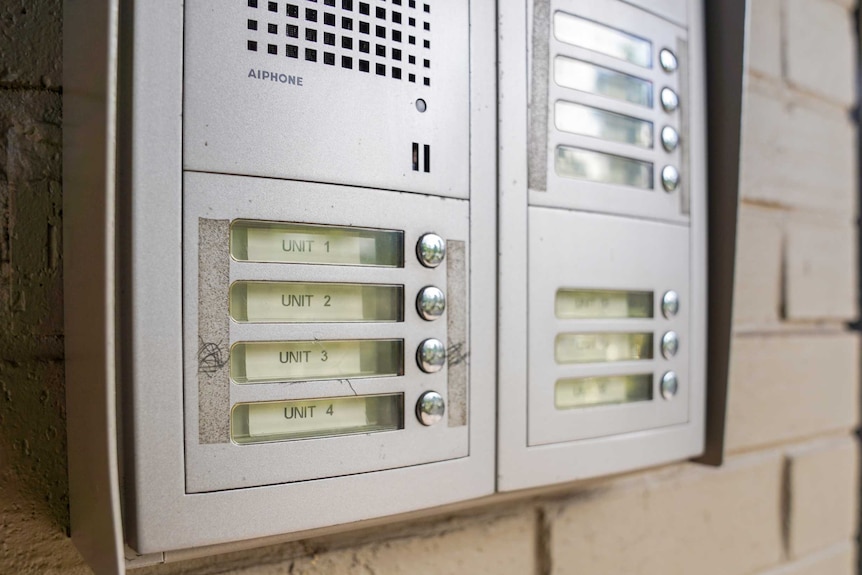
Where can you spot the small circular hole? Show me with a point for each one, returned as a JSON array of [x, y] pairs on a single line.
[[421, 105]]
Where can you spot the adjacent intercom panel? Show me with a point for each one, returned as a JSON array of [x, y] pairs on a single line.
[[306, 238], [602, 231]]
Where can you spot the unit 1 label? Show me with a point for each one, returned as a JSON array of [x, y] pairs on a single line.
[[279, 242]]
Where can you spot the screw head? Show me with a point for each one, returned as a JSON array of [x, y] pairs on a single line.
[[668, 61], [431, 250], [669, 344], [670, 304], [669, 385], [669, 139], [430, 408], [670, 178], [669, 100], [431, 303], [431, 355]]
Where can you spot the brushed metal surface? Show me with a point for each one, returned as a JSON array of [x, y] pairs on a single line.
[[211, 467], [91, 56], [330, 123]]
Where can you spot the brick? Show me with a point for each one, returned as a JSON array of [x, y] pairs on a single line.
[[496, 546], [31, 50], [685, 520], [31, 286], [787, 387], [820, 42], [837, 560], [757, 288], [491, 544], [33, 434], [32, 541], [797, 157], [821, 271], [823, 495], [765, 45]]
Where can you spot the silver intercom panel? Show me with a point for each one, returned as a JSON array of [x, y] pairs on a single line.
[[305, 230], [311, 245], [602, 237]]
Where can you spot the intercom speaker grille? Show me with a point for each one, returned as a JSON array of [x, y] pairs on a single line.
[[391, 40]]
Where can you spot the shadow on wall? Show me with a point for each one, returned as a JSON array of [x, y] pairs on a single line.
[[33, 482]]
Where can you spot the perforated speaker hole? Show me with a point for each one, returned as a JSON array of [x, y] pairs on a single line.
[[347, 28]]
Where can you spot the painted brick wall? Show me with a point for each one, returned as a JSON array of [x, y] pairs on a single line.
[[784, 504]]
